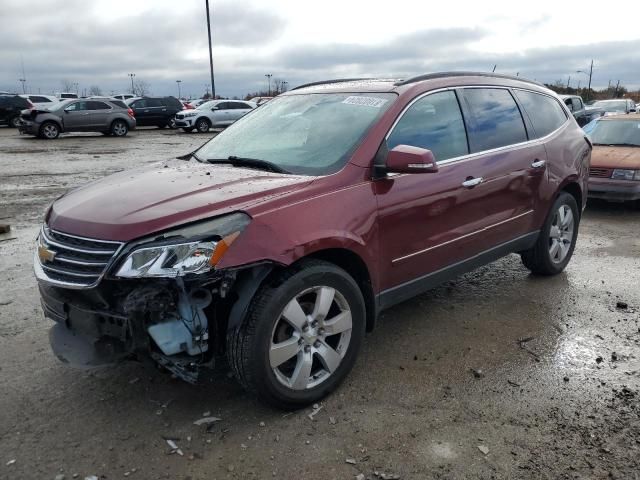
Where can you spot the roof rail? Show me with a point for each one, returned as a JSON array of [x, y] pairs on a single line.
[[430, 76], [328, 82]]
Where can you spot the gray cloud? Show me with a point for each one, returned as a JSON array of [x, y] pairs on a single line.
[[92, 50]]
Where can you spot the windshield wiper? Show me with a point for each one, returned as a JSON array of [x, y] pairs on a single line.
[[249, 162]]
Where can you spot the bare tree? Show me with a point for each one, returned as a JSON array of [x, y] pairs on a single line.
[[278, 86], [67, 85], [95, 90], [141, 88]]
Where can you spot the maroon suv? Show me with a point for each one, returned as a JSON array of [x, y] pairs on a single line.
[[275, 246]]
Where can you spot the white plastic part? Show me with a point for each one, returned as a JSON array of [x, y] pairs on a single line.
[[187, 334]]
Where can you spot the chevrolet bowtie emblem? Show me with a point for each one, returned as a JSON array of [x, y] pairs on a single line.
[[45, 255]]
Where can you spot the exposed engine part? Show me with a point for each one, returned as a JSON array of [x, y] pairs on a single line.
[[187, 371], [186, 330]]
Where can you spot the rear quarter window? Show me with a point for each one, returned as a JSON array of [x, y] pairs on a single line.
[[493, 119], [119, 103], [545, 112]]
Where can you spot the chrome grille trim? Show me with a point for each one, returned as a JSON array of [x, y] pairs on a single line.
[[77, 262], [600, 172]]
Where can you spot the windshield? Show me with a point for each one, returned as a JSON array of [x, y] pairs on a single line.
[[311, 134], [615, 105], [209, 104], [616, 132]]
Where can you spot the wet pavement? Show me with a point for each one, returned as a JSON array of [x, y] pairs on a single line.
[[497, 374]]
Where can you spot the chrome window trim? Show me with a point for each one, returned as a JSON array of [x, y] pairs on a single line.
[[475, 232], [471, 156]]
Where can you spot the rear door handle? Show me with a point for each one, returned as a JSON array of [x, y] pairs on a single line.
[[472, 182], [538, 164]]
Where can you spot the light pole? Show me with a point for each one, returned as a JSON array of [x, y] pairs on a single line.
[[213, 83], [131, 75], [590, 75], [76, 87], [23, 81], [178, 82], [269, 75], [284, 85]]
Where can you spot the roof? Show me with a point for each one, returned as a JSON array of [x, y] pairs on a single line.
[[394, 84]]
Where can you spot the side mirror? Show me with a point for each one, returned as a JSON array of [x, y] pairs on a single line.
[[408, 159], [213, 109]]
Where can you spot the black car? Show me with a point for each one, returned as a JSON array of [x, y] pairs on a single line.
[[10, 108], [155, 111]]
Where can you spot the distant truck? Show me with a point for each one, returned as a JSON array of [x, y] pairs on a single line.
[[576, 105], [66, 95]]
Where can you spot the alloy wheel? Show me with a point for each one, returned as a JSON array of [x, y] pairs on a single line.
[[561, 234], [119, 129], [310, 338], [50, 131]]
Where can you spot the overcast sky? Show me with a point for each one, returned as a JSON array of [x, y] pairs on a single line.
[[98, 42]]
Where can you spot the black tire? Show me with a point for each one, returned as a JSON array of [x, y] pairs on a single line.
[[164, 125], [538, 259], [49, 130], [14, 122], [172, 123], [203, 125], [119, 128], [248, 345]]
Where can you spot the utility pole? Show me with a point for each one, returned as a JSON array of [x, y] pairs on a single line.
[[590, 75], [132, 75], [494, 68], [23, 80], [75, 85], [178, 82], [568, 82], [269, 75], [213, 83]]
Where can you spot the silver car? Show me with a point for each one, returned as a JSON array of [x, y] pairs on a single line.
[[110, 117], [216, 113]]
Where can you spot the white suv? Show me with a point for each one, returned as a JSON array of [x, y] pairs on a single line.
[[216, 113]]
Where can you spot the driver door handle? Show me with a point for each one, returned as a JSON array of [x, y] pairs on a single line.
[[472, 182], [538, 164]]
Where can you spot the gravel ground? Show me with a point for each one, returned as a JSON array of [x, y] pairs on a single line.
[[497, 374]]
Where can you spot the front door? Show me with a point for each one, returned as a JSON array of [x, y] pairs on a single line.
[[76, 116]]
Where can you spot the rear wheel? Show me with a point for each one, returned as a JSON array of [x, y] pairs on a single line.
[[119, 128], [172, 123], [49, 130], [203, 125], [301, 335], [554, 247], [14, 122]]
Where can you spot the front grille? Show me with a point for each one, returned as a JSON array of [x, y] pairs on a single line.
[[75, 261], [600, 172]]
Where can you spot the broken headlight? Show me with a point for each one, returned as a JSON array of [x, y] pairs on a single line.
[[193, 249]]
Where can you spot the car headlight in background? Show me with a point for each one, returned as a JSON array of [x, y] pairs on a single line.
[[190, 114], [623, 174], [193, 249]]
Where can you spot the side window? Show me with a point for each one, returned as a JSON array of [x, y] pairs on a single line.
[[224, 106], [244, 106], [433, 122], [545, 113], [154, 102], [97, 106], [494, 119], [577, 104], [76, 106], [569, 103], [142, 103], [37, 99]]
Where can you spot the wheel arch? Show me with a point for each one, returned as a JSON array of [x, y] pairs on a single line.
[[572, 187]]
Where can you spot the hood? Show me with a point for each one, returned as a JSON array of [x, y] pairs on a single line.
[[615, 157], [138, 202]]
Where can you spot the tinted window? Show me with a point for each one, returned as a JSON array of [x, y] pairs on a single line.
[[433, 122], [37, 99], [155, 102], [93, 105], [172, 102], [494, 119], [119, 103], [545, 112], [142, 103], [224, 106]]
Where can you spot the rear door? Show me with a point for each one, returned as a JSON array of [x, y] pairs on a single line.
[[225, 113], [99, 114], [142, 112], [242, 109]]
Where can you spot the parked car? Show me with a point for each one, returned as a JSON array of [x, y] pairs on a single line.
[[106, 116], [124, 96], [155, 111], [576, 106], [278, 242], [41, 101], [615, 162], [620, 105], [11, 107], [66, 95], [215, 113]]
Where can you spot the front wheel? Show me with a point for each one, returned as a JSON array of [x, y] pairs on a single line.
[[203, 125], [49, 130], [14, 122], [301, 335], [554, 247]]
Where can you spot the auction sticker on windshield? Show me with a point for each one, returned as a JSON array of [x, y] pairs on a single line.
[[365, 101]]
